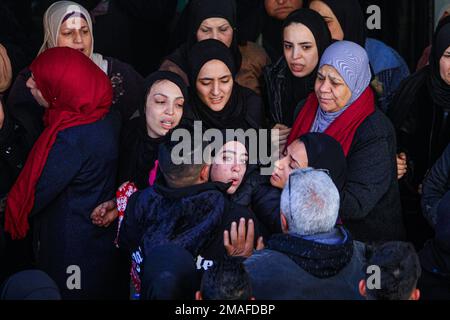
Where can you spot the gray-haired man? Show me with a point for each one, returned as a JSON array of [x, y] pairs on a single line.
[[312, 258]]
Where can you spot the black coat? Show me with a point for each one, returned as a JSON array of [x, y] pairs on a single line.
[[193, 217], [78, 176], [370, 203], [435, 186]]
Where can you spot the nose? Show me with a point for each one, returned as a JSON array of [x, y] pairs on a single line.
[[77, 37], [215, 88], [280, 2], [278, 165], [215, 34], [31, 84], [170, 110], [325, 86], [296, 53]]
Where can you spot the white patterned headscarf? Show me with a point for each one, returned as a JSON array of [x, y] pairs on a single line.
[[53, 19], [352, 63]]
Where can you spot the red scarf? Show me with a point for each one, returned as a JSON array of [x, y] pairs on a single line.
[[78, 93], [342, 129]]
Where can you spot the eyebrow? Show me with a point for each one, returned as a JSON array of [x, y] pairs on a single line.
[[220, 78], [234, 153], [165, 96], [293, 159]]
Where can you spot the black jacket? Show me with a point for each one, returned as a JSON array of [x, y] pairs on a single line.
[[370, 204], [275, 86], [194, 218], [435, 186]]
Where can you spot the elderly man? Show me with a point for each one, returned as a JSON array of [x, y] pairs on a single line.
[[312, 258]]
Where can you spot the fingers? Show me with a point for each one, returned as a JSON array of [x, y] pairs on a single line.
[[241, 233], [226, 242], [233, 233], [260, 244], [250, 234]]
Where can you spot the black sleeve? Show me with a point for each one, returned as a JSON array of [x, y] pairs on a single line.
[[132, 226], [435, 185], [369, 176]]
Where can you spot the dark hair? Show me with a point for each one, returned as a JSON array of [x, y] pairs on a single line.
[[184, 173], [400, 270], [226, 280]]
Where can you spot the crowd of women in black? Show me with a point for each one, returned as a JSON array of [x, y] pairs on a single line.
[[76, 125]]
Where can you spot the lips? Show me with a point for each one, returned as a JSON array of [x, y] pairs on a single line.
[[216, 100], [167, 124], [297, 67]]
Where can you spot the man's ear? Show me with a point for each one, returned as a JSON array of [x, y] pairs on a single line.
[[415, 295], [284, 223], [198, 296], [204, 173], [362, 288]]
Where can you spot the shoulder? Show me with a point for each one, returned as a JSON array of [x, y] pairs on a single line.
[[116, 66], [255, 53], [377, 125]]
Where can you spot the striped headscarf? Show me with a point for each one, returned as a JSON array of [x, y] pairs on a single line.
[[352, 63]]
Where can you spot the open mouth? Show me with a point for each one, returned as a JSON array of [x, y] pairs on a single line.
[[297, 67], [216, 100], [166, 124]]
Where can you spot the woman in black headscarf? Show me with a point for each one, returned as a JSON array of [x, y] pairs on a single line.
[[420, 111], [216, 99], [315, 150], [346, 21], [305, 38], [218, 20], [161, 111]]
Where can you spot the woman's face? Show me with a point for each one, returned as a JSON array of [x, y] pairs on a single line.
[[216, 28], [280, 9], [295, 157], [333, 23], [300, 49], [230, 165], [31, 84], [331, 89], [444, 66], [74, 33], [163, 108], [214, 84]]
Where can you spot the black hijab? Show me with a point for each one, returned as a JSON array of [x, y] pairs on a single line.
[[324, 152], [297, 89], [138, 150], [351, 19], [233, 115], [430, 75], [440, 90], [200, 10]]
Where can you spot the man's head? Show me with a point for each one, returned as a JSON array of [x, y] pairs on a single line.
[[227, 280], [309, 203], [183, 162], [400, 271]]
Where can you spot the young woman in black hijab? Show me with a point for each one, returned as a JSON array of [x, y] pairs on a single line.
[[161, 111], [216, 99], [218, 20], [419, 113], [291, 79], [315, 150]]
